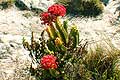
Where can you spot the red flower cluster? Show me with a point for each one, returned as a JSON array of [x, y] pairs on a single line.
[[53, 11], [57, 9], [48, 62], [47, 18]]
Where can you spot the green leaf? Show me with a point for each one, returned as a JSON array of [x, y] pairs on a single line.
[[61, 31], [54, 72]]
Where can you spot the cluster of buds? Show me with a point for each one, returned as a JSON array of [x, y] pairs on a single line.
[[48, 62], [57, 10], [53, 12]]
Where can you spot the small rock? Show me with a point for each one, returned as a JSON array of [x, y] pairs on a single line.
[[38, 4]]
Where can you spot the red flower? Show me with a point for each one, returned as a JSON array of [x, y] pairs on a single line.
[[53, 11], [57, 10], [48, 62], [47, 18]]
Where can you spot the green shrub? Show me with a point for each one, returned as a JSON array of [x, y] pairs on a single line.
[[83, 7], [4, 4]]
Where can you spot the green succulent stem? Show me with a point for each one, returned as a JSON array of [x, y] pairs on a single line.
[[53, 30], [61, 30], [49, 32], [74, 35], [65, 25]]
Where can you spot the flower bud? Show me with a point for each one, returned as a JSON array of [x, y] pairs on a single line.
[[58, 41], [49, 62]]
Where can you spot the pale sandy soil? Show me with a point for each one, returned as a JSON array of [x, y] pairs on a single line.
[[14, 59]]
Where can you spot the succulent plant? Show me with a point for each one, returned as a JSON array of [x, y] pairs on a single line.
[[60, 43]]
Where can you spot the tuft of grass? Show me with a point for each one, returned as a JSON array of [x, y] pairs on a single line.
[[101, 63]]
